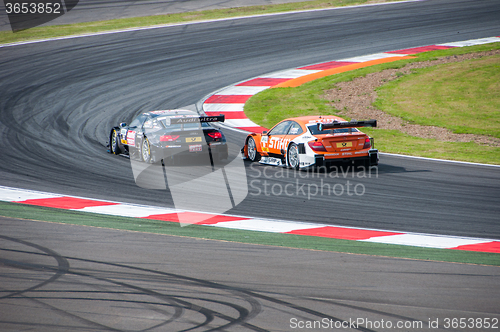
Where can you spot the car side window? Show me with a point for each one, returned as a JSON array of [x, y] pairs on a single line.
[[280, 128], [151, 124], [137, 122], [295, 129]]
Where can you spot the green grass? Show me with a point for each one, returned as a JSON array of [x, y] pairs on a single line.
[[473, 95], [119, 24], [21, 211], [394, 141], [273, 105], [463, 97]]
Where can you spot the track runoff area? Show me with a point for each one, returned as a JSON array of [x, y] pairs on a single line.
[[230, 102]]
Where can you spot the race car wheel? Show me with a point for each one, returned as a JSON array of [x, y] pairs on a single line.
[[113, 143], [146, 151], [252, 152], [293, 156]]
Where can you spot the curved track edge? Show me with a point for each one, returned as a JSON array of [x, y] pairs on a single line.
[[82, 204], [231, 100]]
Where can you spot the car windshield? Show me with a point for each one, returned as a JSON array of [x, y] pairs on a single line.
[[314, 130]]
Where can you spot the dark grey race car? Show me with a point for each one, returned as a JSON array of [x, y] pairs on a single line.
[[169, 135]]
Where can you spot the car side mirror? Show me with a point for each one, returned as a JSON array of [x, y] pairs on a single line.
[[264, 132], [123, 124]]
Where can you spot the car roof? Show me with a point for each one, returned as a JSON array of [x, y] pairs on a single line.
[[315, 118], [174, 112]]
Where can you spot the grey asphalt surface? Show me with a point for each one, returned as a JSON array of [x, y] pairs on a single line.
[[59, 100], [100, 10], [57, 103], [56, 277]]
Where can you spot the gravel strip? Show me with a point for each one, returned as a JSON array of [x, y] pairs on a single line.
[[355, 100]]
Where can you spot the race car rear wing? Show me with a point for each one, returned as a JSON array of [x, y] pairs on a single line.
[[346, 124], [196, 119]]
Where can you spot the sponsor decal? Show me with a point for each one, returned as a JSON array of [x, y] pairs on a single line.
[[186, 120], [131, 137], [263, 143], [195, 148], [164, 112], [278, 143], [324, 120], [271, 161], [344, 144], [181, 119], [123, 135], [193, 139]]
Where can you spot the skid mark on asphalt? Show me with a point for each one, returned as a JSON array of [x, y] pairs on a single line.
[[95, 294]]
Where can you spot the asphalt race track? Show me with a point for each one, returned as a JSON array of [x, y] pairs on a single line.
[[58, 101], [99, 10], [73, 278]]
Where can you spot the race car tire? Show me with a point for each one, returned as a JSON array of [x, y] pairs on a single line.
[[145, 151], [114, 146], [293, 158], [253, 154]]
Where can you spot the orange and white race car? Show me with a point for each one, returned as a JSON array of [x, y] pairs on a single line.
[[309, 141]]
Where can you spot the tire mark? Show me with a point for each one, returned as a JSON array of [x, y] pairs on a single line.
[[62, 265], [179, 303]]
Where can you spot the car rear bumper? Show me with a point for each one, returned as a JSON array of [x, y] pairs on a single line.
[[210, 153], [371, 158]]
